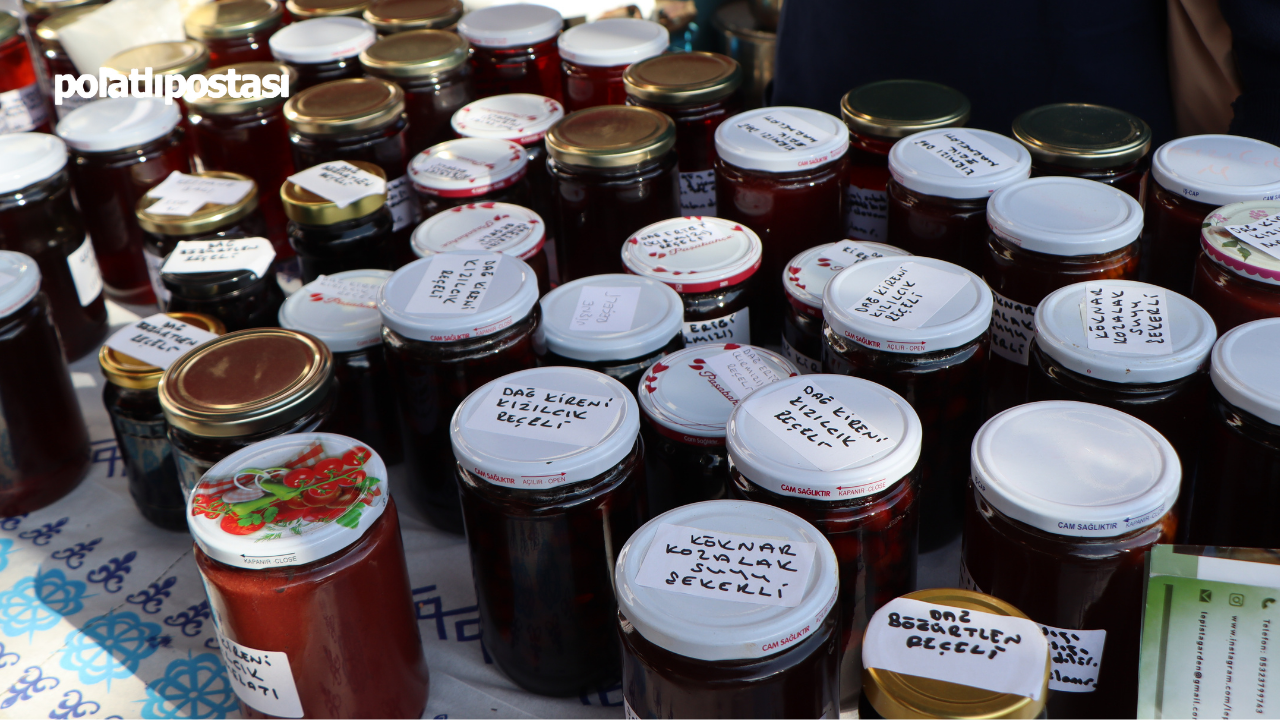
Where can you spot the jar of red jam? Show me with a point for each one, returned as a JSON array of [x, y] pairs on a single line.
[[53, 57], [594, 55], [697, 91], [184, 57], [323, 49], [397, 16], [1048, 233], [878, 114], [1237, 277], [487, 227], [24, 105], [242, 292], [513, 49], [711, 263], [805, 280], [548, 504], [451, 323], [46, 442], [765, 646], [1193, 177], [298, 544], [39, 219], [1093, 142], [430, 66], [310, 9], [120, 149], [469, 170], [918, 326], [235, 31], [330, 238]]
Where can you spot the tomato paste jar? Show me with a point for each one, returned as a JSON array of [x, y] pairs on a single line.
[[548, 503], [298, 544], [469, 170], [487, 227], [513, 49], [1093, 142], [330, 238], [397, 16], [24, 105], [430, 66], [235, 31], [53, 56], [323, 49], [594, 55], [241, 291], [310, 9], [1237, 276], [722, 644]]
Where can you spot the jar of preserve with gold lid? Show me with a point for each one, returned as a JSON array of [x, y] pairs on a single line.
[[1237, 277], [37, 11], [470, 170], [397, 16], [228, 278], [310, 9], [1093, 142], [184, 57], [594, 55], [24, 103], [487, 227], [430, 66], [513, 49], [235, 31], [53, 57], [322, 49], [330, 238]]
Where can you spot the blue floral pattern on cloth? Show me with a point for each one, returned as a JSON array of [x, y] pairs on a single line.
[[38, 603], [74, 705], [33, 681], [109, 647], [6, 548], [194, 687]]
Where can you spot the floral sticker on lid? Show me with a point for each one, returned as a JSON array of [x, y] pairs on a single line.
[[1244, 238], [468, 167]]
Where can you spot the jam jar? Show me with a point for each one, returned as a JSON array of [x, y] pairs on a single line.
[[53, 57], [241, 292], [714, 649], [133, 404], [487, 227], [711, 263], [1067, 499], [235, 31], [1193, 177], [805, 280], [37, 11], [878, 114], [620, 325], [330, 238], [685, 401], [469, 170], [779, 171], [184, 57], [1237, 277], [1047, 233], [25, 107], [513, 49], [397, 16], [594, 56], [841, 453], [430, 66], [38, 219], [451, 323], [323, 49], [310, 9], [45, 442], [547, 508], [120, 149], [933, 353], [1093, 142], [613, 172], [697, 90], [308, 586]]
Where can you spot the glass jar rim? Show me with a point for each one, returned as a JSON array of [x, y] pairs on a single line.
[[892, 109], [1083, 135], [232, 18], [690, 78]]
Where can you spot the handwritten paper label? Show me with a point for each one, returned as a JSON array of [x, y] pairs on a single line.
[[605, 309], [348, 291], [454, 284], [868, 214], [742, 371], [22, 109], [501, 231], [402, 203], [965, 153], [221, 191], [1076, 657], [816, 424], [1013, 328], [201, 256], [910, 295], [807, 365], [1126, 319], [262, 679], [734, 327], [781, 131], [698, 193], [183, 206], [548, 415], [1262, 235], [158, 340], [85, 275], [339, 182], [668, 240]]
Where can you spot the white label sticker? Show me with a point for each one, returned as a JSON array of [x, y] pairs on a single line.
[[1126, 319], [181, 186], [605, 309], [348, 291], [339, 182], [549, 415], [816, 424], [780, 130], [22, 109], [807, 365], [84, 272], [726, 566], [454, 284], [681, 238], [910, 295], [154, 263], [1262, 235], [1076, 656], [965, 153], [402, 203], [158, 340], [1013, 328], [181, 206], [741, 370], [262, 679], [698, 193], [201, 256], [734, 327], [868, 217]]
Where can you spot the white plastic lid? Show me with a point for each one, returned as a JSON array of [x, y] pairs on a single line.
[[518, 117], [468, 167], [341, 309], [806, 276], [114, 123], [711, 629], [407, 306], [781, 139], [658, 318], [613, 42], [1060, 334], [917, 164], [512, 25], [321, 40], [1065, 216], [854, 297], [1243, 368], [1218, 169], [694, 254], [19, 281], [1244, 258], [596, 420], [873, 425], [27, 158], [275, 534], [481, 227]]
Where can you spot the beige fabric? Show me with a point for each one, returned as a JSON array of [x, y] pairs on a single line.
[[1202, 67]]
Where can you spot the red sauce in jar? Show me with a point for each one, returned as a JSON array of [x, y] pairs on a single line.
[[430, 66], [235, 31], [594, 56], [25, 106], [322, 49], [513, 50]]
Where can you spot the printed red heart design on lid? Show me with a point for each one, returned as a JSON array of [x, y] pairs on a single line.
[[696, 367], [488, 205], [731, 346], [794, 270], [659, 367], [634, 241], [316, 297], [650, 388]]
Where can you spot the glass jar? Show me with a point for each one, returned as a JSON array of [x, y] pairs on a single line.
[[295, 572], [24, 105], [46, 444], [430, 66], [877, 115], [1193, 177], [935, 356], [439, 354], [613, 172], [697, 90], [38, 219], [688, 653], [594, 56], [235, 31], [310, 9], [1093, 142], [243, 294], [323, 49], [1067, 499], [330, 239], [513, 49], [1048, 233], [397, 16], [54, 58], [859, 489], [1238, 280], [546, 511], [469, 170], [37, 11], [487, 227], [184, 58], [120, 149], [711, 263]]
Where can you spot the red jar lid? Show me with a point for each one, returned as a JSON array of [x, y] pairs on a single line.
[[468, 167], [694, 254]]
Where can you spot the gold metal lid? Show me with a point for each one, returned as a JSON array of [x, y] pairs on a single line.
[[895, 695], [688, 78], [9, 25], [166, 58], [307, 9], [232, 18], [1082, 135], [393, 16], [246, 382], [47, 30], [898, 108], [416, 53], [227, 105], [303, 206], [345, 106], [611, 136], [55, 6], [127, 371], [210, 218]]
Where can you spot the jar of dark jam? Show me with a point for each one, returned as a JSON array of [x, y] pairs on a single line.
[[1193, 177], [310, 9], [53, 57], [120, 149], [330, 238], [469, 170], [487, 227], [38, 219], [719, 653], [241, 294], [133, 405], [451, 323], [1048, 233], [878, 114], [46, 444], [1093, 142], [547, 508], [25, 107], [1237, 277], [235, 31], [697, 91], [594, 56], [430, 66], [841, 453], [397, 16], [184, 58], [513, 49], [934, 354], [298, 544], [711, 263], [323, 49]]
